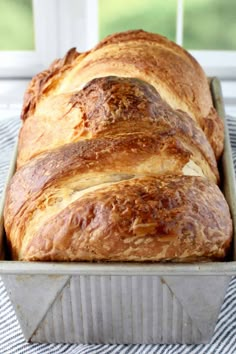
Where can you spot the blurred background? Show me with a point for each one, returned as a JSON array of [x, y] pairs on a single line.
[[203, 20], [34, 32], [208, 24]]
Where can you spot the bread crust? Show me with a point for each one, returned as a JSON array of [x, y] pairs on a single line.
[[107, 106], [174, 73], [109, 158], [166, 218]]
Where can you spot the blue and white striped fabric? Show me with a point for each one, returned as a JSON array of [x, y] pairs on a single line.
[[11, 337]]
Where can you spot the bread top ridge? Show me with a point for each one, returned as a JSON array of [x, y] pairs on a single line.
[[174, 73]]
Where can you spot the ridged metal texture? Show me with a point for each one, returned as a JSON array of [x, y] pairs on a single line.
[[133, 309]]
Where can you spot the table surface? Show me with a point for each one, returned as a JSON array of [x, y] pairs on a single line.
[[11, 337]]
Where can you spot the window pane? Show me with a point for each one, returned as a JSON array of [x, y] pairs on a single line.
[[151, 15], [210, 24], [16, 25]]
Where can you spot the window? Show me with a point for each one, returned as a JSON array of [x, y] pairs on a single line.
[[16, 25], [206, 28], [150, 15], [209, 25], [198, 25], [199, 22], [48, 29], [51, 27], [38, 31]]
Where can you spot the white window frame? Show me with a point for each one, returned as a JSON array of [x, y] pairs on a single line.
[[221, 63], [217, 63], [58, 26], [62, 24]]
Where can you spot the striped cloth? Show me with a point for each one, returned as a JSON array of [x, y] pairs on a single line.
[[11, 337]]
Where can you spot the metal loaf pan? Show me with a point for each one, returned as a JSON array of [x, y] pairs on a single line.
[[123, 303]]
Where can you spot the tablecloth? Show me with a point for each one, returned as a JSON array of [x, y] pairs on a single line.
[[11, 337]]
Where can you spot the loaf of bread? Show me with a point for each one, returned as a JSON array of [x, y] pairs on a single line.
[[117, 159]]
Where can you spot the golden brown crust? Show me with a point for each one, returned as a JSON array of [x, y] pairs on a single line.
[[141, 35], [155, 219], [107, 106], [175, 74], [123, 155], [44, 81], [214, 130]]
